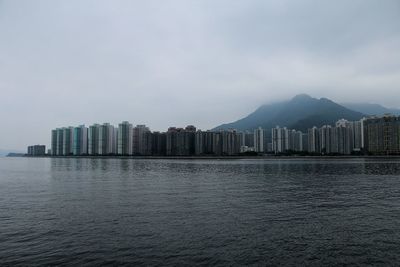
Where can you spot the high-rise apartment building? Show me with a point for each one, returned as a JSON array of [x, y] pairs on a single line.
[[259, 140], [68, 137], [249, 139], [313, 140], [199, 141], [297, 141], [93, 139], [158, 144], [80, 141], [54, 142], [125, 139], [382, 135], [139, 147], [60, 141], [230, 142], [325, 137], [357, 131], [107, 140], [277, 140]]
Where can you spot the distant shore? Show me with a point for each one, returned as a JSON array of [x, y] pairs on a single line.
[[270, 157]]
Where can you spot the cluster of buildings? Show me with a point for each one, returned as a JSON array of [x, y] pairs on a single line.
[[344, 138], [127, 140], [374, 135], [286, 140], [369, 136]]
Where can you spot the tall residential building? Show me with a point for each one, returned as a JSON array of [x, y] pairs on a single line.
[[280, 140], [267, 140], [80, 141], [277, 140], [93, 139], [259, 140], [287, 139], [215, 147], [125, 139], [107, 140], [297, 141], [357, 130], [304, 140], [171, 141], [60, 142], [199, 141], [158, 144], [68, 137], [190, 136], [54, 142], [345, 137], [249, 139], [325, 137], [139, 147], [382, 135], [148, 140], [230, 143], [313, 140], [362, 122]]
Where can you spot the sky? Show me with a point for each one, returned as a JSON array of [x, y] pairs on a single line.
[[173, 63]]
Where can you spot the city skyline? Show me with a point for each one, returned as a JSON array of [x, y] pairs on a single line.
[[84, 125], [371, 135], [186, 62]]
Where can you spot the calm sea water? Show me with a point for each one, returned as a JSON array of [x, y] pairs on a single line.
[[199, 212]]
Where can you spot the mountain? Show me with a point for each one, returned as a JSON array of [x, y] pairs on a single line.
[[301, 112], [371, 109]]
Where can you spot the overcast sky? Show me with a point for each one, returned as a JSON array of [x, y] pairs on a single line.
[[165, 63]]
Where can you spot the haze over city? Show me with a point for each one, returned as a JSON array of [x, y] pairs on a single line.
[[174, 63]]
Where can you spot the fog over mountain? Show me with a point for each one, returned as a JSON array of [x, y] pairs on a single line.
[[179, 62], [300, 113]]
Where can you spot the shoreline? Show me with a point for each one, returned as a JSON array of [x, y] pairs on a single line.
[[263, 157]]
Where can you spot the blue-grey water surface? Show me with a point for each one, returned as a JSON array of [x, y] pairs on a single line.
[[70, 211]]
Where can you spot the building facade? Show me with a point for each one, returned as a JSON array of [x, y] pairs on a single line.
[[36, 150], [93, 139], [259, 140], [107, 140], [125, 139], [80, 141], [382, 135]]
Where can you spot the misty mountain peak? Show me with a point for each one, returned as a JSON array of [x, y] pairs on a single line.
[[301, 112], [302, 98]]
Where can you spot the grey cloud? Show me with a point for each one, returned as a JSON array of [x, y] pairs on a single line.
[[186, 62]]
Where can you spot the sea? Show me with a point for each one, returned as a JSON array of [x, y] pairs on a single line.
[[199, 212]]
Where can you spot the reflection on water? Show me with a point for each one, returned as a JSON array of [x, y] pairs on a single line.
[[212, 212]]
